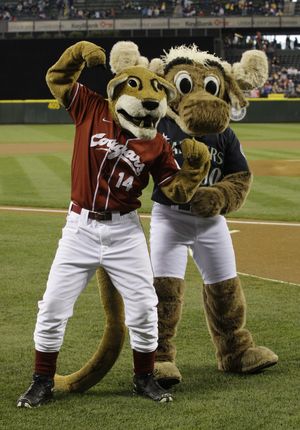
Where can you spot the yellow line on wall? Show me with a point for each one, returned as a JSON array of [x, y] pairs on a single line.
[[249, 99], [28, 101]]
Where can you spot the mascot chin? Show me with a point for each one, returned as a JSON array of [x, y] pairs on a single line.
[[210, 92]]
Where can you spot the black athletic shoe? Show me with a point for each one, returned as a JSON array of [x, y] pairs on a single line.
[[39, 392], [146, 385]]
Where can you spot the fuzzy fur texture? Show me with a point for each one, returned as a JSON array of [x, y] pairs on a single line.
[[186, 183], [252, 70], [125, 54], [223, 197], [65, 72], [249, 73], [225, 311], [170, 293]]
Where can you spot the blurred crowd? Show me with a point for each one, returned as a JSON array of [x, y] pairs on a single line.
[[284, 75], [53, 9], [282, 80], [50, 9]]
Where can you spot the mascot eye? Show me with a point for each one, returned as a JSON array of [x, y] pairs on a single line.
[[183, 82], [212, 85], [133, 82]]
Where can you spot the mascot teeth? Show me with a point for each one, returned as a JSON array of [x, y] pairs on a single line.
[[142, 122]]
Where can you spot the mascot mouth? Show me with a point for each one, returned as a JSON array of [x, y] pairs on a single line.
[[147, 121]]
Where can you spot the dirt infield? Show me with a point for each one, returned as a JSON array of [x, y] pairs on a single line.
[[34, 148], [268, 250]]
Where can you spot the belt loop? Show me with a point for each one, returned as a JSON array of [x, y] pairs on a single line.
[[70, 206], [116, 216], [84, 215]]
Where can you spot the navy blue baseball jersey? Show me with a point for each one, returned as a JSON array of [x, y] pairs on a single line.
[[226, 154]]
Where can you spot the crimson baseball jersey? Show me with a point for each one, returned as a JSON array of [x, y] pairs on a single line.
[[111, 167]]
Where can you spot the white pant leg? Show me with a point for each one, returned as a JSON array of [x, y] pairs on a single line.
[[76, 260], [126, 258], [213, 250], [171, 234]]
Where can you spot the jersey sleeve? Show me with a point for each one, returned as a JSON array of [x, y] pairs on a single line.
[[165, 166], [235, 159], [83, 101]]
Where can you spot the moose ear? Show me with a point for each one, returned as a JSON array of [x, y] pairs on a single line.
[[169, 89], [113, 83], [252, 70]]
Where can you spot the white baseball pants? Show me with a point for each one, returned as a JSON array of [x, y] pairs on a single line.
[[120, 247], [173, 232]]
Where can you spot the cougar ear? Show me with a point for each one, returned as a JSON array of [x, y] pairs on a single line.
[[113, 83], [125, 54], [157, 66]]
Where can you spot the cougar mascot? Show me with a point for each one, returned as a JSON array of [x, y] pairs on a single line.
[[116, 149]]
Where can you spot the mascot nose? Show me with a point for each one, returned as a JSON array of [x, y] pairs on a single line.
[[150, 104]]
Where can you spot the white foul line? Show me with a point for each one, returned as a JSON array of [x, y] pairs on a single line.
[[18, 209], [231, 221], [64, 211], [289, 224], [268, 279]]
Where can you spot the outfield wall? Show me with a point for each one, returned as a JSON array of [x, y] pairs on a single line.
[[49, 111]]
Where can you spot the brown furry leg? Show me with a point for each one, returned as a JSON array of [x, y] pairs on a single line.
[[225, 309], [170, 293]]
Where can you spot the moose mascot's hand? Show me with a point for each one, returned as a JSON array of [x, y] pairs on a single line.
[[195, 154], [207, 202]]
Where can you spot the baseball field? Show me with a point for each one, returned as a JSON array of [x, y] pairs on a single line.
[[34, 196]]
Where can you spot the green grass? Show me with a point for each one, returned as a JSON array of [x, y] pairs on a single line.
[[269, 132], [44, 179], [207, 399], [31, 133]]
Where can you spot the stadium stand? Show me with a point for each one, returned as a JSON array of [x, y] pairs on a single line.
[[99, 9], [284, 58]]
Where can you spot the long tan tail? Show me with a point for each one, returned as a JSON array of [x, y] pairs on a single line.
[[110, 344]]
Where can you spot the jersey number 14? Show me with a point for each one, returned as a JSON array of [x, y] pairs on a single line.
[[127, 183]]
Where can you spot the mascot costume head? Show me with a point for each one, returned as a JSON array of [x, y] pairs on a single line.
[[210, 92]]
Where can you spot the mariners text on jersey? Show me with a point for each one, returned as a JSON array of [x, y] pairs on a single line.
[[226, 154]]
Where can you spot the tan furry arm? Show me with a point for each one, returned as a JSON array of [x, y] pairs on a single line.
[[64, 73], [225, 196], [194, 169]]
